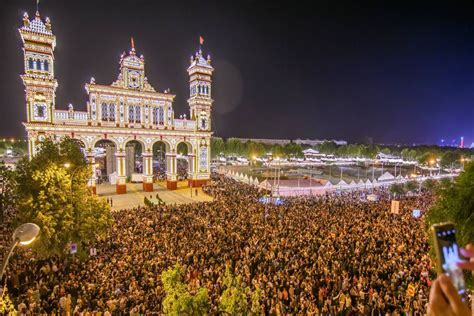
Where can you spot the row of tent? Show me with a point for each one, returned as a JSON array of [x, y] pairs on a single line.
[[239, 176]]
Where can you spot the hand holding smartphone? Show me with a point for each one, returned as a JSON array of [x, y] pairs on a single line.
[[447, 253]]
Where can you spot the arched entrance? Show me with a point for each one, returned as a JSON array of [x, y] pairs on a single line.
[[185, 162], [134, 158], [105, 161], [159, 151]]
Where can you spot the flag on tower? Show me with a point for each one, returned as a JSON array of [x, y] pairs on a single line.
[[201, 39]]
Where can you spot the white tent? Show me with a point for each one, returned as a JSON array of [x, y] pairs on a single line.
[[246, 179], [255, 181], [368, 182], [386, 177], [361, 182], [328, 184], [342, 183], [352, 184]]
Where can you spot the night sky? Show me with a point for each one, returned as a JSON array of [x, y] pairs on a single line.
[[395, 71]]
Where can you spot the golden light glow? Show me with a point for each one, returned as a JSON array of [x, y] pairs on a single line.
[[67, 165], [25, 243]]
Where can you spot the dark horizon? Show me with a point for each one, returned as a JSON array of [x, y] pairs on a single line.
[[396, 72]]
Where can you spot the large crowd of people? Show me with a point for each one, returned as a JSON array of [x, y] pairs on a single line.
[[329, 255]]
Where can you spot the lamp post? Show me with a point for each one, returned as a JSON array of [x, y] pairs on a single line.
[[24, 235]]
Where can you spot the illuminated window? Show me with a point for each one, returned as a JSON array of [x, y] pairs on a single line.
[[161, 116], [46, 65], [31, 64], [112, 112], [104, 111], [138, 117]]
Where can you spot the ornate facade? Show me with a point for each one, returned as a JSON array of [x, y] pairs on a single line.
[[128, 109]]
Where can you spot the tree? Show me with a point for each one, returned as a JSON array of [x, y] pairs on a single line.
[[178, 300], [456, 204], [234, 146], [411, 186], [327, 147], [426, 158], [234, 297], [277, 151], [450, 159], [255, 299], [7, 187], [6, 305], [430, 184], [397, 189], [58, 199], [217, 146]]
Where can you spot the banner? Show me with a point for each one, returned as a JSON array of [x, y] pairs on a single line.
[[395, 209]]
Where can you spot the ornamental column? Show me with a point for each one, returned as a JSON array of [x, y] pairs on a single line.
[[147, 172], [121, 185], [171, 181], [91, 183], [191, 169]]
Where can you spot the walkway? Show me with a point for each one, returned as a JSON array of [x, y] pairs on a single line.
[[135, 195]]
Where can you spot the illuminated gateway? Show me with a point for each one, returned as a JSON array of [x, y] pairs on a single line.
[[129, 109]]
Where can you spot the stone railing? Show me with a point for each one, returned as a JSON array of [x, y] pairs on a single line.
[[180, 124], [70, 117]]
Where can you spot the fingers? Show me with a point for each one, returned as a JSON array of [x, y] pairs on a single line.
[[438, 304], [454, 300], [466, 265], [468, 251]]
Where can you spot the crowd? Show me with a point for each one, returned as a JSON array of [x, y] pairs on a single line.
[[327, 255]]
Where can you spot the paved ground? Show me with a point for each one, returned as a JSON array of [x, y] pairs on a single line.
[[135, 195]]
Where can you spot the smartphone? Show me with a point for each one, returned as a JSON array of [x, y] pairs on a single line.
[[447, 253]]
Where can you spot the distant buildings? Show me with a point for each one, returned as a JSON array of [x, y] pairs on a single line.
[[299, 141]]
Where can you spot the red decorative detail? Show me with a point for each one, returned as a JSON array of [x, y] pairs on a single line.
[[105, 135], [148, 186], [121, 188], [72, 135], [135, 137], [94, 190], [171, 185], [197, 183], [161, 137]]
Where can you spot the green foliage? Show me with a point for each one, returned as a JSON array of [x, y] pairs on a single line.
[[426, 158], [411, 186], [397, 189], [255, 299], [217, 146], [451, 159], [58, 199], [456, 204], [7, 187], [234, 297], [430, 184], [6, 305], [180, 301], [326, 147]]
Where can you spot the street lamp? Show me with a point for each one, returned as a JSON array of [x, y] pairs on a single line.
[[24, 235]]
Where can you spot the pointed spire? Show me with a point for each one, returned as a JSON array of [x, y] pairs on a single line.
[[133, 43]]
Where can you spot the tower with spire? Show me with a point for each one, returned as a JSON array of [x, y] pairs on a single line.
[[200, 106], [200, 82], [38, 78]]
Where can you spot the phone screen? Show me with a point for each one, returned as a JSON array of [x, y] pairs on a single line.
[[448, 250]]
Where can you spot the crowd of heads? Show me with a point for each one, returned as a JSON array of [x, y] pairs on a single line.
[[332, 255]]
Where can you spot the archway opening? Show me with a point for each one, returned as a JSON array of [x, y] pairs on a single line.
[[106, 163], [159, 150], [134, 158], [183, 164]]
